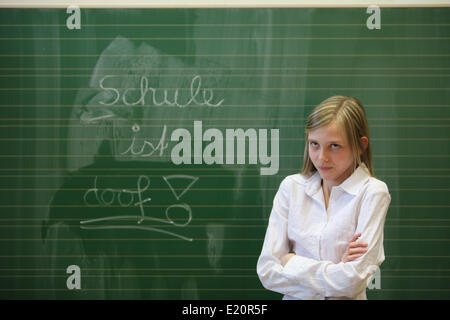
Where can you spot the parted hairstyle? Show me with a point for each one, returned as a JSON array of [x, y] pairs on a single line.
[[349, 114]]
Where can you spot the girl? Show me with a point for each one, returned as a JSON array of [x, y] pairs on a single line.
[[306, 252]]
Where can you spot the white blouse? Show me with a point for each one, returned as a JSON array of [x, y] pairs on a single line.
[[319, 237]]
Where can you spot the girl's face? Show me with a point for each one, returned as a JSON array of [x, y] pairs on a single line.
[[330, 153]]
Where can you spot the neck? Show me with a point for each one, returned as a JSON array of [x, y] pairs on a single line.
[[326, 187], [328, 184]]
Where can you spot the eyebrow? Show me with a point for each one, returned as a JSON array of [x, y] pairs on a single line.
[[330, 142]]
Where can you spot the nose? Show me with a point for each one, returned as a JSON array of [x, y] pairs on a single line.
[[323, 156]]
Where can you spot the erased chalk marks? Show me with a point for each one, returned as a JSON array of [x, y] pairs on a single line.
[[215, 235]]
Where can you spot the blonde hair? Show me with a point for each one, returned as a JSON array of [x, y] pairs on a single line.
[[349, 114]]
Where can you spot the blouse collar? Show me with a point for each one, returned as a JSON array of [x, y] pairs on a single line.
[[351, 185]]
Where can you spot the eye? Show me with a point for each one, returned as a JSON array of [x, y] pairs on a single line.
[[314, 144], [335, 146]]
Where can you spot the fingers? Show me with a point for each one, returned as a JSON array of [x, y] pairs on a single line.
[[355, 237], [359, 244], [357, 251], [354, 244], [353, 257]]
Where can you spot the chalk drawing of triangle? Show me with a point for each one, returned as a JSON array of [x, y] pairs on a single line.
[[179, 193]]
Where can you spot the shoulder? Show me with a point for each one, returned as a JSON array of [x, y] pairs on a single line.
[[376, 190], [375, 185], [292, 185], [296, 180]]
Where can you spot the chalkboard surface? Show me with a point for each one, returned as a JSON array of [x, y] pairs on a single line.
[[141, 148]]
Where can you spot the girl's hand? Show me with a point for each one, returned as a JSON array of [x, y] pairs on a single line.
[[355, 249], [286, 258]]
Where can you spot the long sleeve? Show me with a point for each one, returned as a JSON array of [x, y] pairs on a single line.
[[306, 278], [276, 244], [347, 279]]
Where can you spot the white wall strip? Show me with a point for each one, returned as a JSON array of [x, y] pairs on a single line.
[[217, 3]]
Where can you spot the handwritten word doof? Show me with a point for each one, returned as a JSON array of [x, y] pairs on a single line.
[[198, 96], [135, 198]]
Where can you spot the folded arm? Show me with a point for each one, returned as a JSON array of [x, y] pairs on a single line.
[[306, 278]]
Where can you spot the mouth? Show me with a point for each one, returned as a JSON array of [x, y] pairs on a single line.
[[325, 168]]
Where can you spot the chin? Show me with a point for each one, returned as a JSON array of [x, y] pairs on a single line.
[[328, 175]]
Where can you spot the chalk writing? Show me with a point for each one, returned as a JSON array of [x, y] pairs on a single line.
[[127, 198], [198, 96], [179, 176], [219, 150], [147, 149]]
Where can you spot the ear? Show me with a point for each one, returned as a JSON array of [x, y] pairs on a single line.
[[365, 142]]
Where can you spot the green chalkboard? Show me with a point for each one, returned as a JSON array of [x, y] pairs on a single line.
[[143, 150]]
